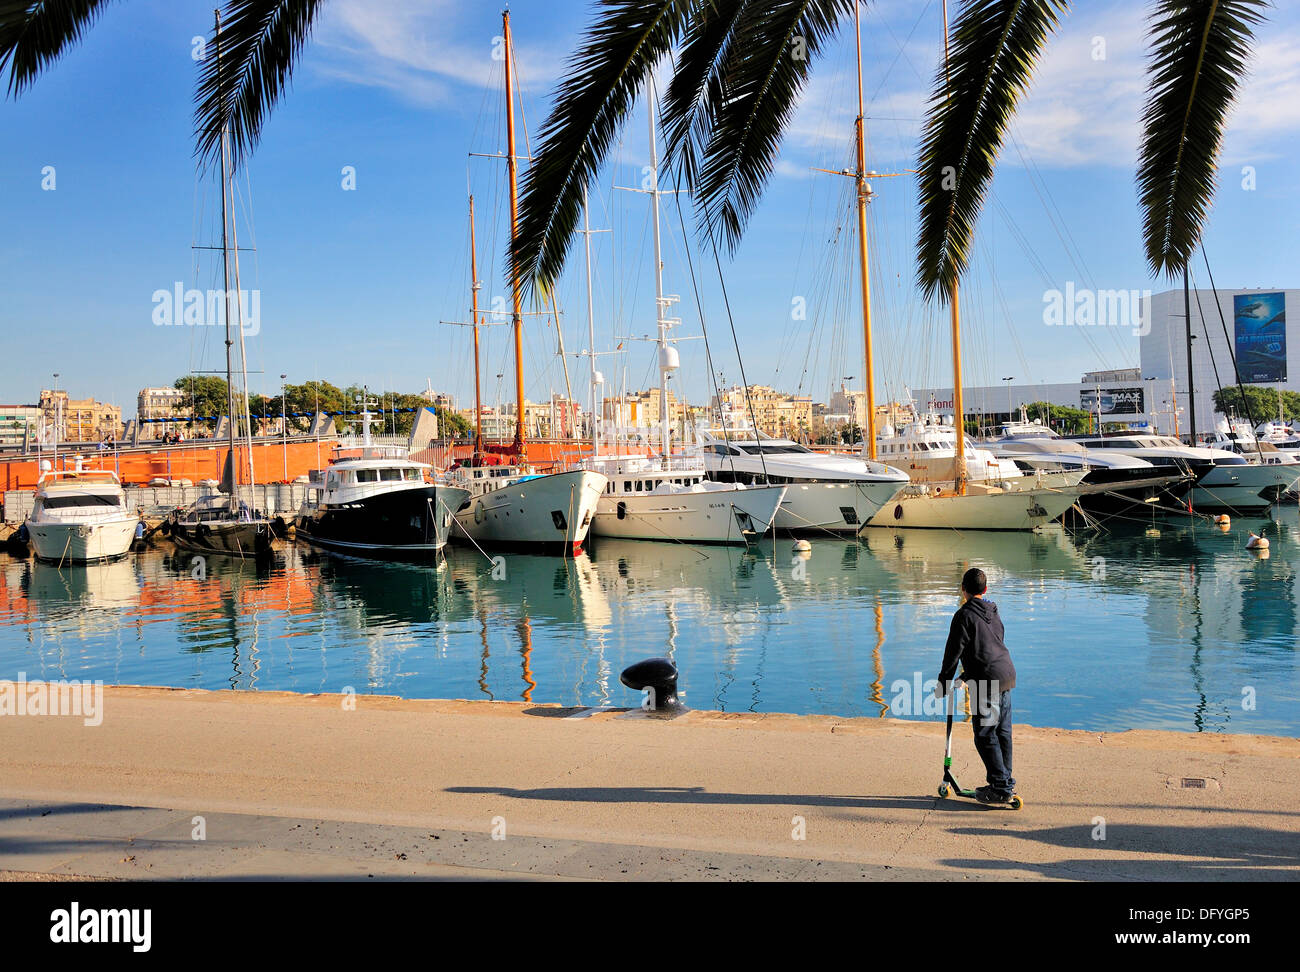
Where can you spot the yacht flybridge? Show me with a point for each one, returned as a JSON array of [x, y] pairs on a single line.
[[79, 517], [824, 492], [375, 501]]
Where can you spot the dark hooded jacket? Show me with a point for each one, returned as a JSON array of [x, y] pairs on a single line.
[[975, 643]]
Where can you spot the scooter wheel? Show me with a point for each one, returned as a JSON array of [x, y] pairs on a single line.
[[1017, 803], [943, 789]]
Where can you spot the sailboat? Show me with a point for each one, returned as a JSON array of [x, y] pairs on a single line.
[[222, 524], [670, 497], [957, 503], [510, 504]]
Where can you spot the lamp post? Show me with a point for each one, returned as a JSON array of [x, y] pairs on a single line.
[[58, 419], [1009, 381], [284, 426]]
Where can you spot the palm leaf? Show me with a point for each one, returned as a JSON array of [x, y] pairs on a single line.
[[996, 46], [34, 33], [696, 85], [1197, 62], [261, 41], [757, 85], [616, 58]]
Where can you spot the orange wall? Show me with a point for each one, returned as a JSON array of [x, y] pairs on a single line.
[[184, 461]]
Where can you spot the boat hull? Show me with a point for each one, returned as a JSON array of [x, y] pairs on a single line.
[[835, 507], [81, 543], [737, 516], [1013, 510], [545, 514], [234, 538], [406, 524], [1246, 489]]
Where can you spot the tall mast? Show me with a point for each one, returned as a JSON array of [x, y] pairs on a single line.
[[473, 319], [516, 296], [864, 191], [958, 412], [1191, 380], [591, 320], [225, 275], [660, 302]]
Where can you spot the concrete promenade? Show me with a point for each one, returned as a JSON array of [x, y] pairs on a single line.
[[296, 786]]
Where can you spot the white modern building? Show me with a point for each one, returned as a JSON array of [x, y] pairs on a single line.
[[1249, 325]]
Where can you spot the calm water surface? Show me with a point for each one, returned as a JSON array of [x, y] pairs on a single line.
[[1129, 628]]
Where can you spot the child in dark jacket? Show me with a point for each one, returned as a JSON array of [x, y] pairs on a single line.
[[975, 643]]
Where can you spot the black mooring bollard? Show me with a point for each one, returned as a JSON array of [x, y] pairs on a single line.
[[659, 675]]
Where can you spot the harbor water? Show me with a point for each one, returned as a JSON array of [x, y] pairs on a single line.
[[1168, 624]]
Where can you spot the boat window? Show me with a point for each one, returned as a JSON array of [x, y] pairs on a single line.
[[390, 475], [80, 499], [367, 475], [923, 447], [413, 475], [627, 485]]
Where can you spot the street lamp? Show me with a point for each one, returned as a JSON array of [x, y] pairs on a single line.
[[284, 427], [1009, 381]]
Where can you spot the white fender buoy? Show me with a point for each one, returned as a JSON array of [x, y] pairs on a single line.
[[802, 546], [1257, 543]]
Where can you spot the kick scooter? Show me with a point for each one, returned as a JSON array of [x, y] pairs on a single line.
[[950, 782]]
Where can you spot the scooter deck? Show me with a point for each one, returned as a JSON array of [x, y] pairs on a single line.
[[949, 787]]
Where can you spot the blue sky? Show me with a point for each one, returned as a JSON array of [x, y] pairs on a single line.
[[354, 284]]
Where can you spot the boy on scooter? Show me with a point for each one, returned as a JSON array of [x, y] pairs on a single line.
[[975, 643]]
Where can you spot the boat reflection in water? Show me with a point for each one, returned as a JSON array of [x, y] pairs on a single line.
[[1129, 628]]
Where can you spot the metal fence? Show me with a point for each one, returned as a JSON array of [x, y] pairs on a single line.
[[274, 499]]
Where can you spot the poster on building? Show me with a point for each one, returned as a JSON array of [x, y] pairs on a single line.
[[1260, 324], [1114, 401]]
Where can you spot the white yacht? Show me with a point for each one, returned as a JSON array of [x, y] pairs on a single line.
[[375, 501], [1278, 434], [653, 498], [1225, 481], [80, 516], [1112, 481], [825, 491], [512, 506]]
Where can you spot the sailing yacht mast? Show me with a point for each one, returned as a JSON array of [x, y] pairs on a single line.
[[665, 358], [516, 295], [864, 192], [958, 413], [591, 321], [473, 319], [225, 274]]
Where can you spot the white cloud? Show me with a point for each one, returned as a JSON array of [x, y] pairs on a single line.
[[422, 51]]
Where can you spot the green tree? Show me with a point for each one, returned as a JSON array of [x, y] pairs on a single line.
[[1062, 418], [1259, 403], [207, 395]]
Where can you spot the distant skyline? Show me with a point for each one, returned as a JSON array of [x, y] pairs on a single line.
[[102, 205]]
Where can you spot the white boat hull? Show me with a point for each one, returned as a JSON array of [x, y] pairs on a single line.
[[550, 513], [835, 507], [735, 515], [80, 543], [1012, 510], [1251, 487]]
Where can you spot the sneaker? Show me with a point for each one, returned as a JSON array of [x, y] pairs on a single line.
[[986, 794]]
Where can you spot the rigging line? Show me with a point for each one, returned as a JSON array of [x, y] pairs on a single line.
[[699, 309], [1208, 349], [1245, 402], [726, 302]]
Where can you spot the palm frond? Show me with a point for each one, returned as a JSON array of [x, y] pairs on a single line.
[[261, 41], [696, 85], [1198, 59], [35, 33], [757, 86], [618, 54], [995, 48]]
